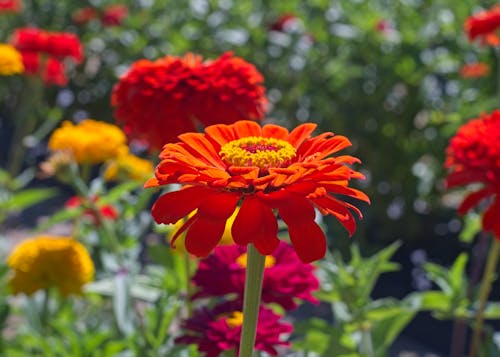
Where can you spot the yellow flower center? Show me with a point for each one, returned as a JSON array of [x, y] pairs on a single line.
[[234, 319], [269, 262], [263, 153]]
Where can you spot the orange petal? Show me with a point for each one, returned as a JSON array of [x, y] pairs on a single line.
[[301, 133], [274, 131], [244, 128], [201, 148], [221, 133]]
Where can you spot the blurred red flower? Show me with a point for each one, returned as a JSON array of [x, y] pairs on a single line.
[[286, 23], [474, 70], [159, 100], [484, 26], [473, 156], [219, 329], [44, 52], [10, 6], [286, 278], [265, 169], [106, 211], [54, 72], [83, 15], [114, 15]]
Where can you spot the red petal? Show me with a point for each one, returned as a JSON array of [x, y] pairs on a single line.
[[301, 133], [198, 145], [256, 223], [203, 236], [491, 221], [307, 237], [206, 231], [473, 200], [172, 206]]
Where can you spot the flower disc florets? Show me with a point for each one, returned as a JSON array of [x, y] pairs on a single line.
[[255, 151]]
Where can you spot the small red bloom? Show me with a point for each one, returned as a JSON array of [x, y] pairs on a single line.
[[10, 6], [106, 211], [159, 100], [474, 70], [286, 278], [473, 156], [219, 330], [113, 15], [44, 52], [264, 170], [484, 26]]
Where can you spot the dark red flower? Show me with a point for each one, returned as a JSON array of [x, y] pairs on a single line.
[[114, 15], [159, 100], [219, 330], [473, 156], [106, 211], [286, 278], [484, 26], [31, 62], [265, 170], [10, 6]]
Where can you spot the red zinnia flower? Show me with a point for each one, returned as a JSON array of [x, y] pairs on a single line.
[[264, 169], [10, 5], [474, 70], [484, 25], [286, 278], [114, 15], [106, 211], [44, 52], [473, 156], [219, 330], [159, 100]]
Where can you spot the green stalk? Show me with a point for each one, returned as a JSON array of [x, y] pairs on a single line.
[[251, 300], [484, 292], [44, 311]]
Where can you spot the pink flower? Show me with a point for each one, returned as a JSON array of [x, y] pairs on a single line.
[[286, 278], [219, 330]]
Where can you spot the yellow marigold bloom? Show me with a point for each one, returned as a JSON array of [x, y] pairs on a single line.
[[128, 167], [226, 239], [47, 261], [90, 141], [11, 61]]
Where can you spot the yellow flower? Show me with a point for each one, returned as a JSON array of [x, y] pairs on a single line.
[[90, 141], [11, 61], [46, 261], [226, 239], [128, 167]]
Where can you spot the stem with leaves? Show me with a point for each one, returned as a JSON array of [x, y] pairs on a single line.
[[251, 300], [488, 278]]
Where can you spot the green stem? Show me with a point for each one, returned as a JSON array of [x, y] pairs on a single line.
[[251, 300], [187, 265], [44, 311], [366, 345], [484, 292]]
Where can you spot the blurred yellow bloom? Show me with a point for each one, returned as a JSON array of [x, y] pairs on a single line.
[[90, 141], [128, 167], [47, 261], [226, 239], [11, 61]]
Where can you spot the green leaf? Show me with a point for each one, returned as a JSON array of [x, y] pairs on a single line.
[[472, 226], [60, 216], [26, 198], [122, 306]]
